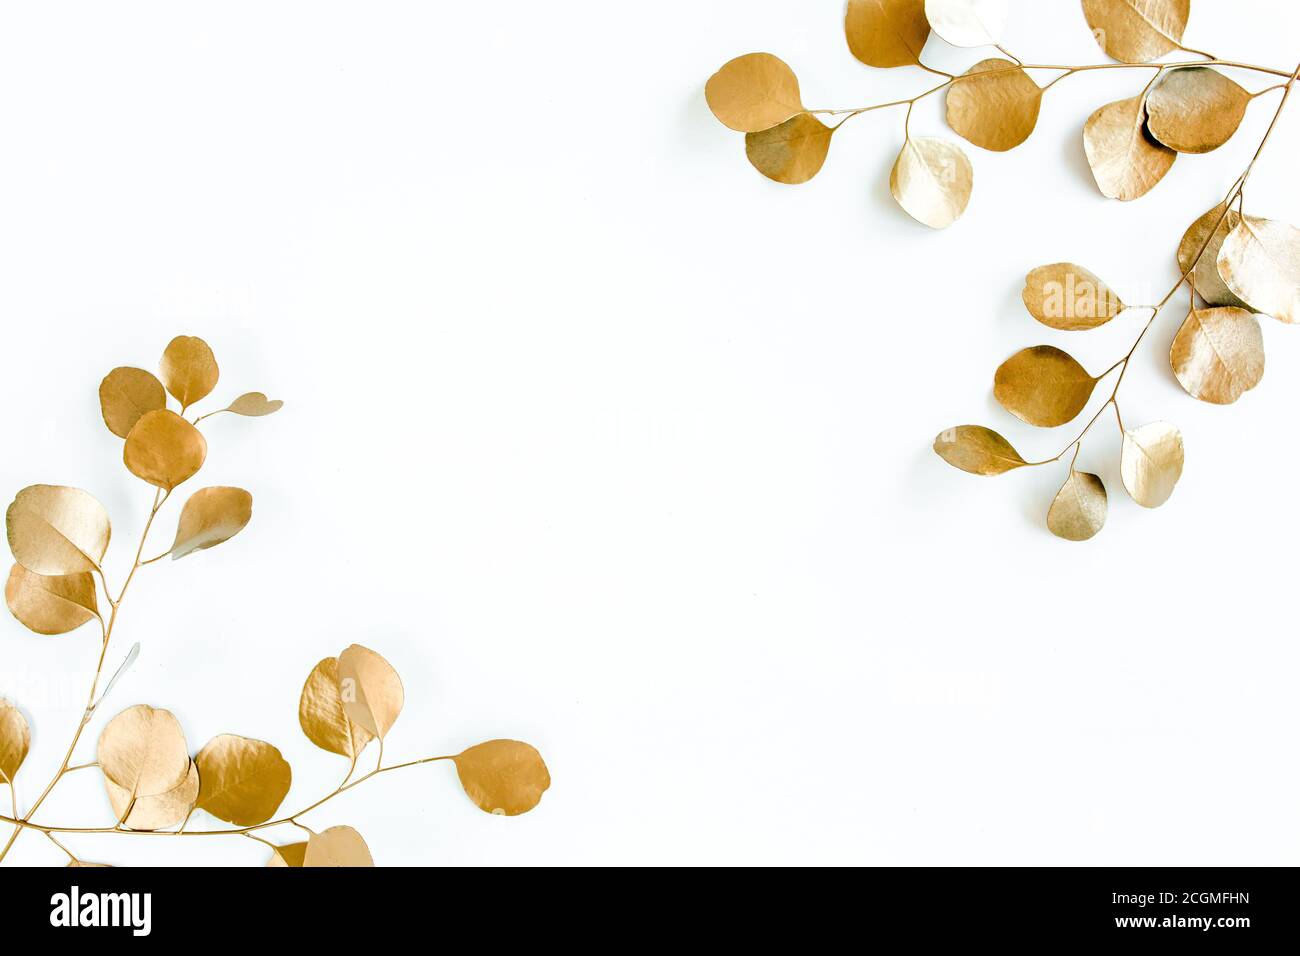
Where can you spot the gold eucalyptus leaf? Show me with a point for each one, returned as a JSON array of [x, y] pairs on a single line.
[[157, 811], [753, 92], [254, 405], [792, 152], [337, 846], [1137, 31], [1079, 509], [1043, 386], [977, 450], [1068, 297], [15, 740], [372, 691], [1195, 109], [288, 854], [188, 369], [241, 780], [1125, 161], [505, 777], [932, 180], [1209, 284], [142, 750], [211, 516], [54, 529], [1260, 263], [886, 33], [1218, 354], [1151, 462], [127, 393], [323, 717], [967, 23], [164, 449], [51, 603], [994, 105]]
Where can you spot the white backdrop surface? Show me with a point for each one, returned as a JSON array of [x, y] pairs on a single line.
[[611, 445]]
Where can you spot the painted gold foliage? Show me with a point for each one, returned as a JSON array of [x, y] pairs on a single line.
[[152, 779], [1069, 297], [994, 105], [1195, 109], [1079, 509]]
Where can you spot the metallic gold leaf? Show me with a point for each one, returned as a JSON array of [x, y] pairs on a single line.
[[1260, 262], [886, 33], [372, 691], [288, 854], [254, 405], [142, 750], [1137, 31], [164, 449], [157, 811], [188, 369], [978, 450], [211, 516], [1151, 462], [1126, 162], [127, 393], [967, 23], [322, 715], [1079, 509], [241, 780], [54, 529], [1209, 284], [1068, 297], [753, 92], [1043, 386], [51, 603], [505, 777], [931, 180], [15, 740], [792, 152], [1218, 354], [337, 846], [1195, 109], [994, 105]]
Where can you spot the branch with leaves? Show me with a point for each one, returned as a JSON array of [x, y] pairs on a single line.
[[59, 537], [1234, 265]]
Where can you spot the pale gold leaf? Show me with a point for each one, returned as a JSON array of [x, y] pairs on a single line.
[[15, 740], [505, 777], [1260, 262], [337, 846], [142, 750], [322, 715], [51, 603], [1218, 354], [931, 180], [753, 92], [886, 33], [164, 449], [157, 811], [288, 855], [372, 691], [57, 530], [1195, 109], [978, 450], [1068, 297], [1126, 162], [1209, 284], [127, 393], [254, 405], [1079, 509], [1151, 462], [211, 516], [994, 105], [1043, 386], [241, 780], [1137, 31], [967, 23], [188, 369], [792, 152]]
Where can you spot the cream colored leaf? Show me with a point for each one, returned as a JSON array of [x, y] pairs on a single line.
[[931, 180], [753, 92], [188, 369], [57, 530], [1151, 462], [337, 846], [241, 780], [1068, 297], [886, 33], [977, 450], [967, 23], [1126, 162], [372, 691], [792, 152], [15, 740], [994, 105], [51, 603], [254, 405], [1137, 31], [505, 777], [1079, 509], [1209, 284], [142, 750], [288, 855], [127, 393], [211, 516], [1218, 354], [1260, 262], [164, 449], [158, 811], [1043, 386], [322, 715], [1195, 109]]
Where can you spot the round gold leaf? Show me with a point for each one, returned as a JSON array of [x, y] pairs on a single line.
[[322, 715], [994, 105], [967, 23], [1079, 509], [505, 777], [886, 33], [254, 405], [792, 152], [337, 846], [1260, 263], [1126, 162], [1069, 297], [931, 180], [127, 393], [15, 740], [753, 92], [1151, 462], [54, 529], [1218, 354], [164, 449], [241, 780], [1195, 109], [158, 811], [51, 603], [1137, 31], [1043, 386], [211, 516], [1209, 284], [978, 450], [372, 691], [188, 369], [142, 750], [288, 854]]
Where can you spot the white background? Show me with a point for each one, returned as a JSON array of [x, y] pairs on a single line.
[[611, 445]]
